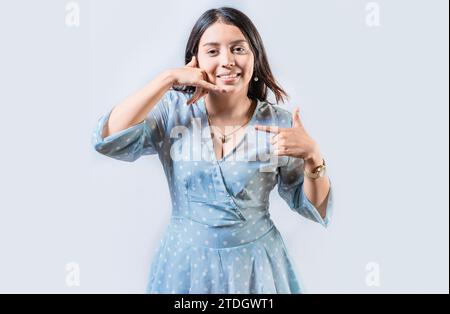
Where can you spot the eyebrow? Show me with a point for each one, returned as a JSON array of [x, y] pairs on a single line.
[[217, 44]]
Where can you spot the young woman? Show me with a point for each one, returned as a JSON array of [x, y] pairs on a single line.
[[223, 147]]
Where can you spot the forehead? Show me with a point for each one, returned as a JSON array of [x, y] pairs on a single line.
[[220, 33]]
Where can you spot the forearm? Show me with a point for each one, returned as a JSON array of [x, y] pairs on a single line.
[[316, 190], [136, 107]]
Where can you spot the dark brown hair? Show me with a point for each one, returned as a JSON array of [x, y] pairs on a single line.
[[257, 89]]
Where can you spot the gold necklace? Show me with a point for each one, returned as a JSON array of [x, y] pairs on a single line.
[[224, 138]]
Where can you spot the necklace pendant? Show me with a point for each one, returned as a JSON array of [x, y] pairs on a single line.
[[224, 139]]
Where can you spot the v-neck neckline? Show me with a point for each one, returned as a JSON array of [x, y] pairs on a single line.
[[202, 105]]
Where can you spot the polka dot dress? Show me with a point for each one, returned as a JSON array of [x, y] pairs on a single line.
[[220, 238]]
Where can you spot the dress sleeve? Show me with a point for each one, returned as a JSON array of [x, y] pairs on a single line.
[[290, 187], [144, 138]]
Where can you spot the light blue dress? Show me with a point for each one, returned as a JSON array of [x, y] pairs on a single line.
[[220, 238]]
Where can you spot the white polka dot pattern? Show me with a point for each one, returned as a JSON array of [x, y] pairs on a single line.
[[220, 238]]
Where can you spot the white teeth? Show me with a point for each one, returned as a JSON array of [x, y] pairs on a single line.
[[229, 76]]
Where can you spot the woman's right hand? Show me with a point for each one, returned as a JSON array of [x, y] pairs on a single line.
[[192, 75]]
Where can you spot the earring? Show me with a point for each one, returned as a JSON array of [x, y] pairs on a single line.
[[256, 79]]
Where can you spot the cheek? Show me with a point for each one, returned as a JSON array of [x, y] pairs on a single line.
[[209, 69], [209, 72], [248, 66], [248, 73], [205, 65]]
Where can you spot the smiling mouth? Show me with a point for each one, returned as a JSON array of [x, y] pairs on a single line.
[[229, 79], [230, 76]]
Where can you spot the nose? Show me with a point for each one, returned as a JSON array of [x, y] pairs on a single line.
[[227, 60]]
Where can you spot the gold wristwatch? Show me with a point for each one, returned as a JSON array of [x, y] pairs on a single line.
[[317, 172]]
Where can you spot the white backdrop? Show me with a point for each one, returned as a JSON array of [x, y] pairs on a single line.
[[371, 80]]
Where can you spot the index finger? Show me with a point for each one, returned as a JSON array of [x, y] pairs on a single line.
[[268, 128]]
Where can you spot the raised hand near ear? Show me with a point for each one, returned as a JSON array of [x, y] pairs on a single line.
[[199, 91], [192, 75]]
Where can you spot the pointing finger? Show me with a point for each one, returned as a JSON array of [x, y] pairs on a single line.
[[268, 128]]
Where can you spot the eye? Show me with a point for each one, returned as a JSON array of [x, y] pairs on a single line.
[[238, 49]]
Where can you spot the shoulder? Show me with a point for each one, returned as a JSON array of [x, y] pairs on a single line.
[[275, 114], [174, 97], [173, 101], [174, 105]]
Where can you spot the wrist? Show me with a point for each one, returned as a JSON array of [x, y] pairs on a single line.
[[313, 161], [167, 78]]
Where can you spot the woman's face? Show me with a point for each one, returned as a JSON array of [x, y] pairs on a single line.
[[220, 45]]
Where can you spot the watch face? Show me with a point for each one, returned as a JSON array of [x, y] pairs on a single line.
[[320, 171]]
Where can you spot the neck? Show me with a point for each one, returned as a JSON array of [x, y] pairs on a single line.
[[227, 107]]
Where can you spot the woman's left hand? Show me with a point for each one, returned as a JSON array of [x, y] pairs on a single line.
[[293, 141]]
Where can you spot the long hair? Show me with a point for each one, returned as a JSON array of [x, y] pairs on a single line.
[[257, 89]]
